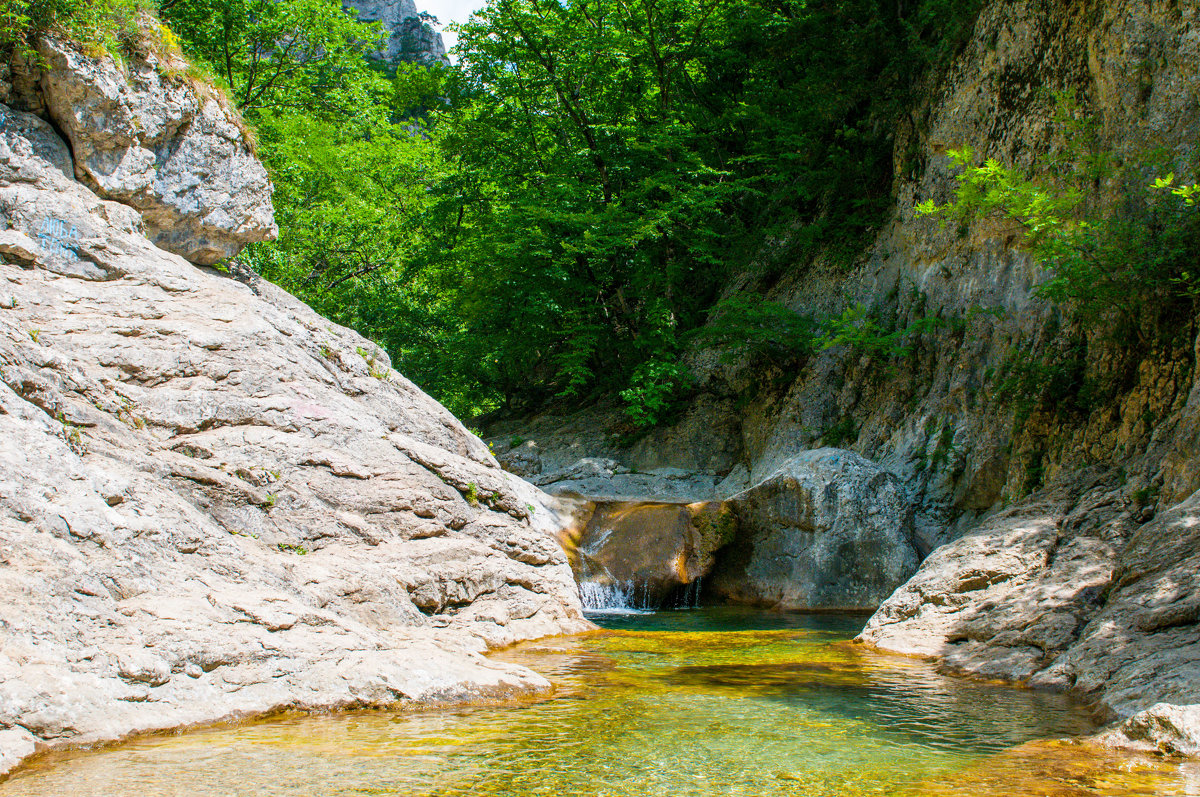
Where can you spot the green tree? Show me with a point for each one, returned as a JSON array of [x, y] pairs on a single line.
[[551, 218], [302, 56]]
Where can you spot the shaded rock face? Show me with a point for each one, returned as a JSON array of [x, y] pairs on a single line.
[[146, 136], [1010, 596], [409, 38], [828, 530], [650, 550], [214, 503]]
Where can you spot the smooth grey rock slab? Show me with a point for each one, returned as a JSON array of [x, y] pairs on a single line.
[[828, 529], [215, 503]]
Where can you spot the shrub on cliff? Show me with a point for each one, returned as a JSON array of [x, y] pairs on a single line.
[[1119, 248], [109, 24]]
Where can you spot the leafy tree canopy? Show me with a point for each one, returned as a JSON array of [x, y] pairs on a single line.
[[551, 218]]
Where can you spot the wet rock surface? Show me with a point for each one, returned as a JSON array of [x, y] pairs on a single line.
[[652, 551], [214, 503]]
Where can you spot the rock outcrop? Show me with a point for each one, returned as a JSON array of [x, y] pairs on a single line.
[[147, 135], [608, 480], [1009, 597], [410, 37], [1066, 592], [827, 530], [213, 502]]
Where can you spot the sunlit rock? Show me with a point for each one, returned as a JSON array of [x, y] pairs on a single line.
[[214, 503], [146, 134]]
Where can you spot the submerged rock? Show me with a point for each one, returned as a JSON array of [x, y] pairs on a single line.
[[1162, 728], [215, 503], [828, 530], [146, 134]]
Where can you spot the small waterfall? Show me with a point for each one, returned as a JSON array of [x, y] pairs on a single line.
[[686, 596], [626, 597], [615, 597]]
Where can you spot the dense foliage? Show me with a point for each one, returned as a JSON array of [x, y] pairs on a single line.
[[551, 218], [97, 23]]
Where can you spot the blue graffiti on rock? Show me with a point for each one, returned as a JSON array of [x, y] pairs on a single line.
[[57, 237]]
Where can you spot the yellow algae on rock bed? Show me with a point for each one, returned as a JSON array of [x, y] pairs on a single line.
[[679, 703]]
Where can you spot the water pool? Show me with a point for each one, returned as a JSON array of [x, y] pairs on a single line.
[[718, 701]]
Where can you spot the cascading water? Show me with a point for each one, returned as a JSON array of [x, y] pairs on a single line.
[[687, 596], [603, 593], [609, 598], [615, 597]]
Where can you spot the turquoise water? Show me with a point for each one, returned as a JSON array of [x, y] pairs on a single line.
[[703, 702]]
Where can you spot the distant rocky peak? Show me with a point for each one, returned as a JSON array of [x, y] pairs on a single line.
[[410, 36]]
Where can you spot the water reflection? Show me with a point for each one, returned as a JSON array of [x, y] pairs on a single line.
[[683, 703]]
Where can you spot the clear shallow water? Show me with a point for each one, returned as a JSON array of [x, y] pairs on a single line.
[[705, 702]]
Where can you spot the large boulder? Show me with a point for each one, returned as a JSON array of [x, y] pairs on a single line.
[[215, 503], [828, 529], [1069, 590], [145, 134], [1006, 598]]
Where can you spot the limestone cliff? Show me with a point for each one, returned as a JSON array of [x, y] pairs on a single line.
[[410, 37], [213, 502], [1062, 546]]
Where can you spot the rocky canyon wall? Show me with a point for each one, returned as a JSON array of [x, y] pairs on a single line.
[[409, 37]]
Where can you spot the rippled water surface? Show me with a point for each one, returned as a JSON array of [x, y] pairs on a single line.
[[704, 702]]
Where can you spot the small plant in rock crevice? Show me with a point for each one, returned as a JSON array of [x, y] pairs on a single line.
[[72, 436], [843, 433], [372, 368]]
